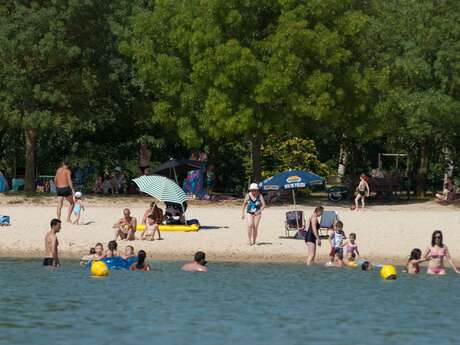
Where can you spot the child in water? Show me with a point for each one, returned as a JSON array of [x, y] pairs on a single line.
[[140, 265], [112, 251], [78, 207], [336, 240], [413, 264]]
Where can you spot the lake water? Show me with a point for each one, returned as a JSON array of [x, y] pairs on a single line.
[[233, 304]]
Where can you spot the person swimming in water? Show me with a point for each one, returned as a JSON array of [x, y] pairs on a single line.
[[198, 265], [112, 251], [367, 266], [129, 253], [436, 254], [140, 265], [413, 264]]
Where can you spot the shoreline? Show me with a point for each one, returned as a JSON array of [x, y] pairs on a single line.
[[385, 233], [211, 256]]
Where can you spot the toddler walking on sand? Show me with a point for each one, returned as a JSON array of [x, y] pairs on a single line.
[[78, 207]]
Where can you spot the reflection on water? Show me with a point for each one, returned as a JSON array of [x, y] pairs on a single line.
[[233, 304]]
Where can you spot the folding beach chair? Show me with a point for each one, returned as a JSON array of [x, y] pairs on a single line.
[[328, 219], [295, 221]]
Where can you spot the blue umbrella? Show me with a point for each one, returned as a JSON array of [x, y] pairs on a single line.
[[291, 180]]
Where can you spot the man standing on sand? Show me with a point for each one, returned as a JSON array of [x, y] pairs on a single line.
[[198, 265], [64, 189], [51, 244]]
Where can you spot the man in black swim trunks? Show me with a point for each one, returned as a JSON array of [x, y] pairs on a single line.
[[51, 244], [64, 188]]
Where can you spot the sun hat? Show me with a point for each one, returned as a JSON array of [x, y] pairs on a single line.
[[253, 186], [78, 194]]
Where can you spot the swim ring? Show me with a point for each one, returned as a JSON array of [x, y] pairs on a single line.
[[114, 262]]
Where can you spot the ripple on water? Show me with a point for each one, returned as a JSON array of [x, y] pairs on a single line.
[[234, 303]]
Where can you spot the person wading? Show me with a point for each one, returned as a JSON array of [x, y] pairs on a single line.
[[64, 189], [51, 244], [312, 237]]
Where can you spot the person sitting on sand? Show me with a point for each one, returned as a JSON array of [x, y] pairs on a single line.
[[336, 240], [112, 251], [198, 265], [155, 211], [126, 227], [413, 264], [436, 253], [129, 253], [140, 265], [51, 244], [150, 229], [449, 191]]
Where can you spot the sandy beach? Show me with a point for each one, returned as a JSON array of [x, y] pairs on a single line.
[[385, 233]]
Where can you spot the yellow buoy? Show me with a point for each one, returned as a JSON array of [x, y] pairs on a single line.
[[352, 264], [99, 268], [388, 272]]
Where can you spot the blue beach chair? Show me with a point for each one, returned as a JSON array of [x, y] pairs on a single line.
[[328, 219], [4, 220]]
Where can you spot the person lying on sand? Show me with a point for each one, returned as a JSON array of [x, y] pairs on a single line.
[[125, 228], [198, 265]]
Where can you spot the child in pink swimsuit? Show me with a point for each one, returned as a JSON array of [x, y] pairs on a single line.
[[351, 248]]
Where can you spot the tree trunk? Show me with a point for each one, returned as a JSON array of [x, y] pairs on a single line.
[[343, 160], [256, 144], [448, 163], [31, 141], [422, 171]]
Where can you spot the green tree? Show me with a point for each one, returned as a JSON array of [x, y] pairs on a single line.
[[243, 69], [413, 50], [55, 69], [281, 154]]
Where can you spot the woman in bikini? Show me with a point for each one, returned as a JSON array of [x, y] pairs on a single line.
[[253, 206], [362, 191], [312, 237], [436, 253], [140, 265]]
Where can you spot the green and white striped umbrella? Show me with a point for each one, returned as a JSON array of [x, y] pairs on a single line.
[[161, 188]]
